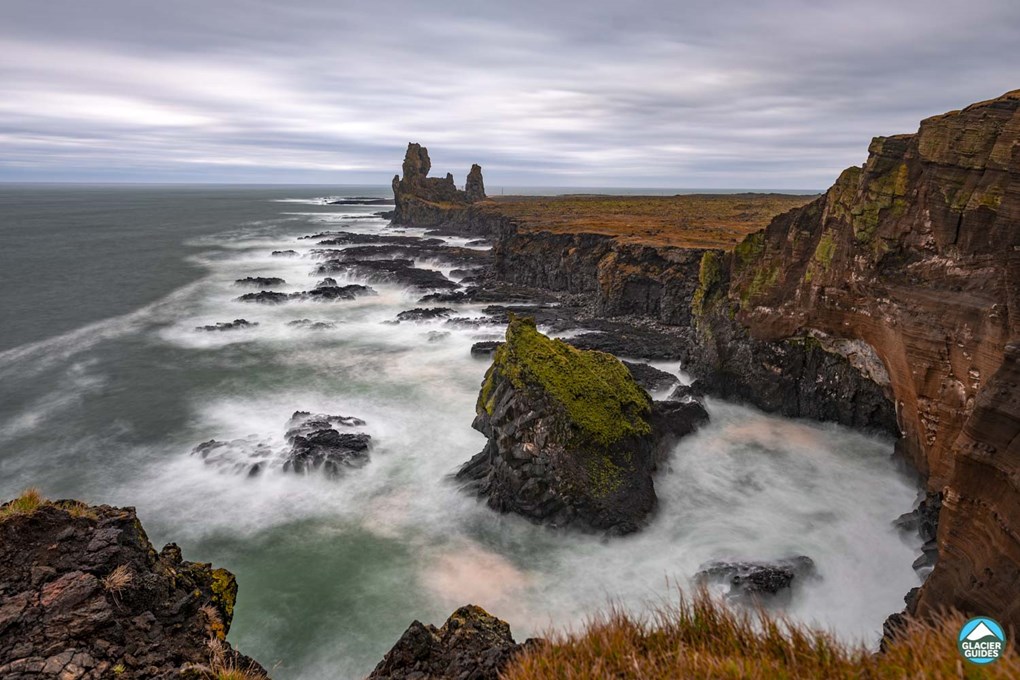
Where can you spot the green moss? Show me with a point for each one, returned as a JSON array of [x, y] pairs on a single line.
[[749, 250], [709, 276], [825, 250], [596, 390], [224, 588], [883, 192]]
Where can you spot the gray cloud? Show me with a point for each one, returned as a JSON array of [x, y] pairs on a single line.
[[775, 94]]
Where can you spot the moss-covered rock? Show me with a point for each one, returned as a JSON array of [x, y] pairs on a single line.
[[572, 436]]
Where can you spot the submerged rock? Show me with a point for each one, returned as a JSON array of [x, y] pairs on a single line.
[[759, 581], [472, 644], [312, 325], [265, 297], [312, 443], [424, 313], [85, 596], [327, 283], [402, 272], [322, 293], [284, 253], [570, 436], [260, 281], [234, 325]]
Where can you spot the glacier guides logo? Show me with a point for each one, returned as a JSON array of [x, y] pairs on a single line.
[[981, 640]]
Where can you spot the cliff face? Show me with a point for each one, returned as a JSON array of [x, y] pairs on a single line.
[[912, 263], [428, 201], [891, 302], [83, 595]]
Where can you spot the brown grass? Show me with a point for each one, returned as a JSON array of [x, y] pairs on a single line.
[[28, 502], [702, 638], [223, 666], [118, 579], [694, 220]]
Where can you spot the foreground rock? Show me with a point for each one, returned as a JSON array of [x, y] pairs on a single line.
[[570, 436], [759, 582], [84, 596], [472, 644]]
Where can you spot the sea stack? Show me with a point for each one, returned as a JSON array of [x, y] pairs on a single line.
[[427, 201], [571, 436]]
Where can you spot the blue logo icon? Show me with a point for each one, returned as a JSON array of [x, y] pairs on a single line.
[[981, 640]]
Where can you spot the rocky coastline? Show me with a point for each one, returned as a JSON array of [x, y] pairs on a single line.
[[888, 303], [891, 303]]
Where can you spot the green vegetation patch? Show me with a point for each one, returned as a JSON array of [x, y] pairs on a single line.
[[709, 276], [825, 250], [596, 389]]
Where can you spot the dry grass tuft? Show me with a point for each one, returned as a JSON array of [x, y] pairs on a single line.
[[78, 509], [703, 638], [118, 579], [28, 502], [223, 665]]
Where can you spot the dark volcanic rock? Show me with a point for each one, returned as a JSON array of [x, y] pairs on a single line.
[[327, 282], [759, 581], [424, 201], [402, 272], [570, 436], [425, 313], [85, 596], [344, 238], [325, 293], [485, 349], [649, 377], [285, 253], [260, 281], [236, 324], [312, 325], [359, 200], [266, 297], [472, 645], [313, 443], [630, 341]]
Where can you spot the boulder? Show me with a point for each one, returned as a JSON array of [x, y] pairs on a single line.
[[472, 644], [764, 582], [260, 281], [570, 436]]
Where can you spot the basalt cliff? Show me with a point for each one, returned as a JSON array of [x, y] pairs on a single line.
[[888, 303]]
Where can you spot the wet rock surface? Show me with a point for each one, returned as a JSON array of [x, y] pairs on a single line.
[[765, 582], [260, 281], [85, 596], [425, 314], [313, 443], [236, 324], [402, 272], [650, 378], [472, 645], [325, 293]]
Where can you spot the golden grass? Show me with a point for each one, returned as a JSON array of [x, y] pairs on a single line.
[[694, 220], [28, 502], [703, 638], [222, 665]]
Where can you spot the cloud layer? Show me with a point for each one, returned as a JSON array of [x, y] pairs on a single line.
[[766, 94]]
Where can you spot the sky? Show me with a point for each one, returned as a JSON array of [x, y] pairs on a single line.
[[778, 94]]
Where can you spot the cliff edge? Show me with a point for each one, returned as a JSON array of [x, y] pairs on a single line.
[[84, 596]]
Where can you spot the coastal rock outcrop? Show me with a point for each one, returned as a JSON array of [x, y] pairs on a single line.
[[472, 644], [754, 582], [85, 596], [570, 436], [427, 201]]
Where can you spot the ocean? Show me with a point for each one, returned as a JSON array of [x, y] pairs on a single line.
[[106, 387]]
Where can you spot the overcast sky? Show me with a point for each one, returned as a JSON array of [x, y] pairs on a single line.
[[671, 93]]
